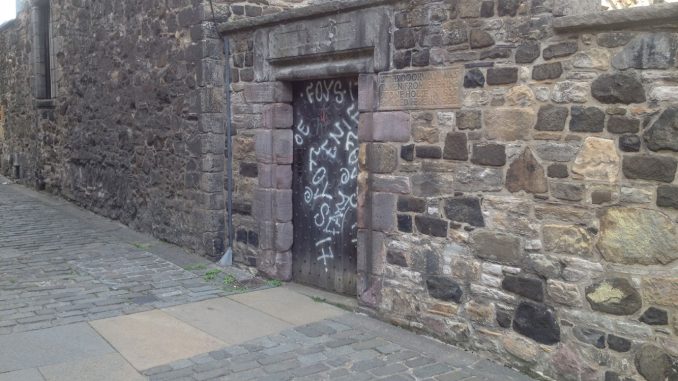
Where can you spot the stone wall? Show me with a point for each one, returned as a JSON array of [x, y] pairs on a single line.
[[247, 119], [536, 222], [539, 225], [135, 128], [16, 101], [238, 10]]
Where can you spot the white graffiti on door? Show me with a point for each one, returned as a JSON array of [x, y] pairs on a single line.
[[331, 199]]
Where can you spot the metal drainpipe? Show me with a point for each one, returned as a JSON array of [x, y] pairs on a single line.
[[227, 259]]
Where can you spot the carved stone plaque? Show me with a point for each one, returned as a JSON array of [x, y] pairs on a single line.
[[425, 89]]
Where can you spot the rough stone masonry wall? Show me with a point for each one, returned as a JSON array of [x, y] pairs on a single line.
[[238, 10], [248, 118], [537, 222], [14, 43], [136, 131], [136, 128]]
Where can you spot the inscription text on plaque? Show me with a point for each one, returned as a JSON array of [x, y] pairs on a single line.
[[420, 89]]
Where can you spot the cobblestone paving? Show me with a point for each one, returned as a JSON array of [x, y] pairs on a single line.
[[58, 269], [60, 265], [350, 347]]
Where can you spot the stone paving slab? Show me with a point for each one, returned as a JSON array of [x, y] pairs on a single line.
[[50, 346], [228, 320], [153, 338], [348, 347], [288, 305], [22, 375], [111, 367], [349, 303]]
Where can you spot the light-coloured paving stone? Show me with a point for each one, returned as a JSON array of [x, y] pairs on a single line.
[[50, 346], [111, 367], [347, 302], [228, 320], [288, 305], [22, 375], [153, 338]]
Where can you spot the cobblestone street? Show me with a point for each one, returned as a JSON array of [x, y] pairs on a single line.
[[61, 265], [349, 347], [84, 298]]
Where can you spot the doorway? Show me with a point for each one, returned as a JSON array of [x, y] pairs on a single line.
[[324, 184]]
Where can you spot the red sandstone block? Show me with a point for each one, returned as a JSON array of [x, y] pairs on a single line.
[[367, 92], [262, 207], [374, 258], [365, 127], [283, 176], [275, 176], [384, 212], [266, 235], [391, 127], [278, 115], [268, 92], [284, 236], [263, 146], [265, 175], [282, 204], [283, 146], [276, 265]]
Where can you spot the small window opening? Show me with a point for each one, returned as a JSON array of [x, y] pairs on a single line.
[[43, 49]]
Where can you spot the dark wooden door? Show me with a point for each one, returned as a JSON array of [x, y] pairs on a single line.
[[325, 183]]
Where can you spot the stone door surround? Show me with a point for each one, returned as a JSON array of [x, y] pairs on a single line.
[[353, 42]]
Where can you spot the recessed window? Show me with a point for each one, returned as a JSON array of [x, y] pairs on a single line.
[[45, 48], [42, 55]]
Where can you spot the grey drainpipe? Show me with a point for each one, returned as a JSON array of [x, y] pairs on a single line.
[[369, 250], [227, 259]]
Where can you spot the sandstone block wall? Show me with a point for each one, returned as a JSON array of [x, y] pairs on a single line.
[[545, 231], [549, 212], [536, 223]]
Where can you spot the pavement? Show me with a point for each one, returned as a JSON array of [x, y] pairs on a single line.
[[86, 298]]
